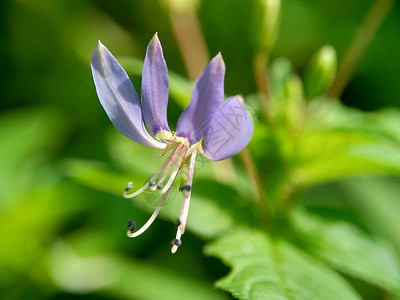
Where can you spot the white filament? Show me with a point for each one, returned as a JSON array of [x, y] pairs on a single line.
[[186, 201], [175, 171], [150, 220], [170, 158]]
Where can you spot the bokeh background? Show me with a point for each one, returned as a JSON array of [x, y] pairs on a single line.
[[63, 237]]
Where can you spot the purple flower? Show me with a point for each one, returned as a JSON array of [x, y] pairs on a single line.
[[221, 129]]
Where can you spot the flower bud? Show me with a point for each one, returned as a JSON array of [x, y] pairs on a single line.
[[266, 24], [287, 91], [320, 72]]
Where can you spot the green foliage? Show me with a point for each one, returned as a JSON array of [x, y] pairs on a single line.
[[270, 268], [349, 249]]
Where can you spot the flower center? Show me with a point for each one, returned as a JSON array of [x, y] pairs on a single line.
[[183, 155]]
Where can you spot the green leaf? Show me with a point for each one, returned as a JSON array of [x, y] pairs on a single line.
[[349, 249], [120, 277], [27, 138], [338, 141], [266, 268], [95, 175], [376, 199]]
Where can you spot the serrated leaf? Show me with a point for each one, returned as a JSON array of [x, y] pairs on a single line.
[[349, 249], [266, 268]]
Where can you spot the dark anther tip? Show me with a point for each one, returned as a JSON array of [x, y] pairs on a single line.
[[176, 242], [128, 186], [159, 186], [131, 225], [178, 222], [152, 182], [185, 188]]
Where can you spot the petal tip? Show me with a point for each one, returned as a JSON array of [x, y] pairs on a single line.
[[239, 97], [219, 57], [219, 61], [155, 41], [99, 48]]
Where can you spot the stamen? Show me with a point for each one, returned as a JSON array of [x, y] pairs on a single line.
[[175, 171], [170, 164], [150, 220], [176, 242], [186, 201], [129, 186], [178, 222], [131, 225], [151, 182], [186, 188]]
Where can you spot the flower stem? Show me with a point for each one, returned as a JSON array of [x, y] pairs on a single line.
[[262, 198], [364, 35]]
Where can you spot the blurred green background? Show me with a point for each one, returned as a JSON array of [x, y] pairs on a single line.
[[62, 164]]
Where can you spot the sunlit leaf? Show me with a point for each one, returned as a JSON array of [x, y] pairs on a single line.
[[267, 268], [349, 249]]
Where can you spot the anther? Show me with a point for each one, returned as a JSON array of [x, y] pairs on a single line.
[[129, 186], [176, 242], [185, 188], [152, 182], [178, 222], [131, 225], [159, 186]]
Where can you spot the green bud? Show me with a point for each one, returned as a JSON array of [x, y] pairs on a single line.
[[320, 72], [280, 70], [266, 24], [287, 106], [294, 108]]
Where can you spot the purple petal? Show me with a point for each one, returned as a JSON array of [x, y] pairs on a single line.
[[229, 131], [207, 97], [155, 88], [119, 98]]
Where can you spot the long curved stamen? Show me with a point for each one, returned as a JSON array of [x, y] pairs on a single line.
[[150, 220], [187, 189], [152, 179], [174, 172], [166, 172]]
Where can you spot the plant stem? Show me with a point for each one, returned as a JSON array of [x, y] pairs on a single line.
[[190, 40], [364, 35], [261, 76], [254, 176], [192, 46]]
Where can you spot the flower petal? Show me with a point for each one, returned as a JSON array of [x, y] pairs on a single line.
[[155, 88], [119, 98], [207, 97], [229, 131]]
